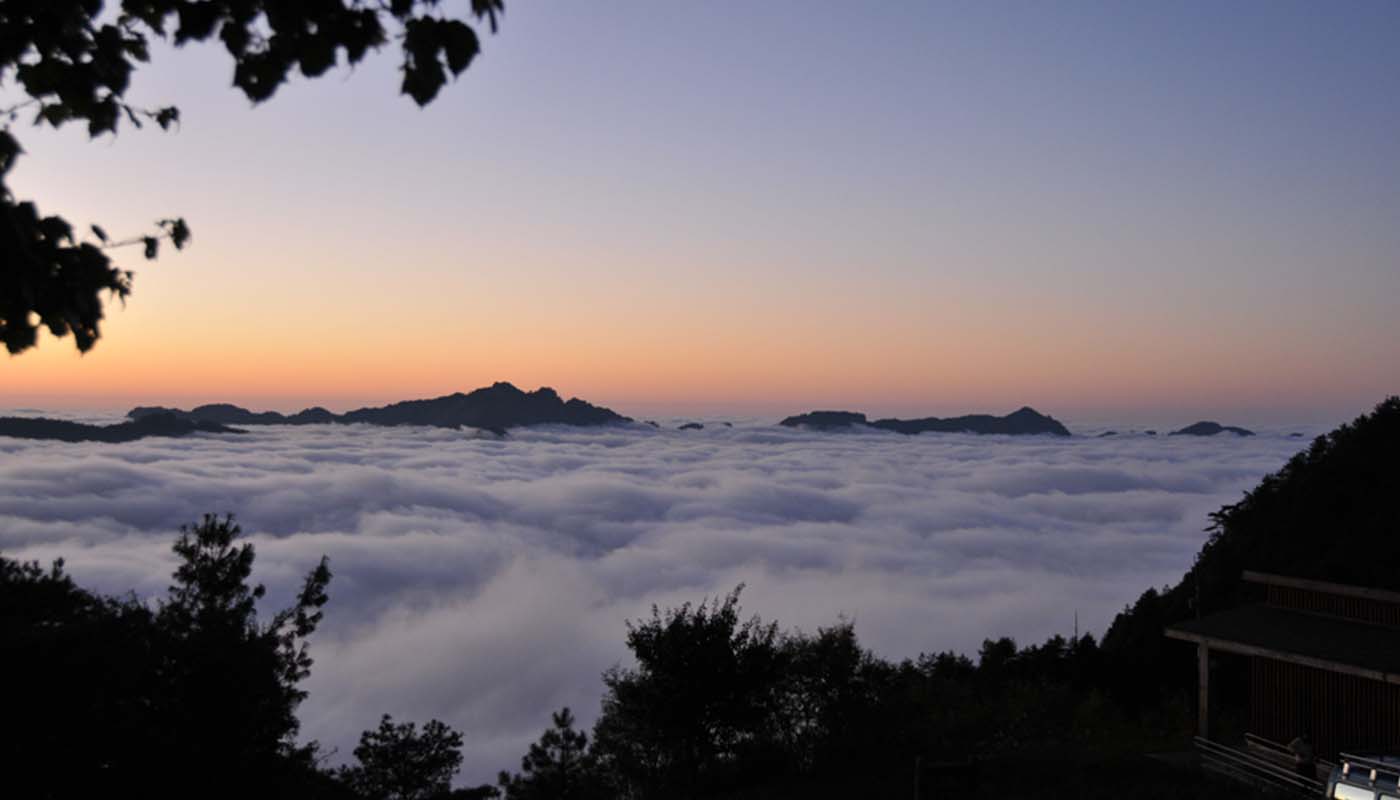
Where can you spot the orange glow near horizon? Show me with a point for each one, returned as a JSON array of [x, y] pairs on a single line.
[[691, 350]]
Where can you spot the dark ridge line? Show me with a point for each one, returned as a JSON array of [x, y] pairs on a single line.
[[1022, 422]]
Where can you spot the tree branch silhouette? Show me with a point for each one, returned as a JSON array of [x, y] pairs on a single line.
[[74, 62]]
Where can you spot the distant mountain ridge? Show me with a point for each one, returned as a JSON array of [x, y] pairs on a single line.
[[496, 408], [502, 406], [151, 424], [1024, 421], [825, 420], [229, 414], [1208, 428]]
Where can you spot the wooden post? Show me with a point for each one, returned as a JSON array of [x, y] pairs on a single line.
[[1203, 690]]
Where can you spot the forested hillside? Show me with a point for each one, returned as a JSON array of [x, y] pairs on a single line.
[[1329, 514]]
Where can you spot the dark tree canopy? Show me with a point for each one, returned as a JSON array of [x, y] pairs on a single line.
[[719, 707], [700, 695], [196, 697], [72, 61], [230, 665], [398, 762], [557, 767]]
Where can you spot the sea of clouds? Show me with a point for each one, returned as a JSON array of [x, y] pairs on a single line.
[[487, 581]]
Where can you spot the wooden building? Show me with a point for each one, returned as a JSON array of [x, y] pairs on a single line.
[[1324, 660]]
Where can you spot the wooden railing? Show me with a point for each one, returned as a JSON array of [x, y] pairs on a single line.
[[1268, 748], [1259, 766]]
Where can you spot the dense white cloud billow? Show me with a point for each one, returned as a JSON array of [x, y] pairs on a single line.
[[486, 581]]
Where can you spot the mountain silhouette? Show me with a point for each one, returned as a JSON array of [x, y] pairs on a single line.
[[495, 408], [217, 413], [1025, 421], [1207, 428], [152, 424], [825, 420]]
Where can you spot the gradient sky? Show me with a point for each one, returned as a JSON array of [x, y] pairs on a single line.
[[1110, 210]]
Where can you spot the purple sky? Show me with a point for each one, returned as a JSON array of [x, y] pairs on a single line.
[[1105, 210]]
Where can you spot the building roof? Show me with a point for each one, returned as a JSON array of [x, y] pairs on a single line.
[[1323, 587], [1300, 637]]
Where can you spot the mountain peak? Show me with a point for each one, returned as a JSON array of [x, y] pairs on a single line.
[[1210, 428], [1026, 420], [496, 407]]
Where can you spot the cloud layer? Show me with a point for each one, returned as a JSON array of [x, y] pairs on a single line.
[[486, 582]]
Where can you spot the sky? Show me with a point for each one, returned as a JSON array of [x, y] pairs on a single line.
[[1124, 211], [487, 582]]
